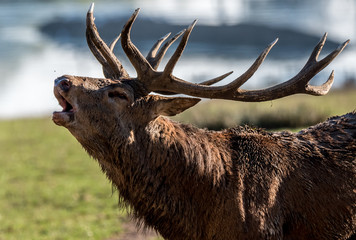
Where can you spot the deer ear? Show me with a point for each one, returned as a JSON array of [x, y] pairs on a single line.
[[171, 106]]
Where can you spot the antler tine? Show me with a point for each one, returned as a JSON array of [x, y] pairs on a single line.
[[155, 59], [112, 67], [179, 51], [238, 82], [205, 83], [139, 62], [334, 53], [322, 89], [100, 58], [96, 51], [152, 53], [215, 80], [315, 54], [113, 43]]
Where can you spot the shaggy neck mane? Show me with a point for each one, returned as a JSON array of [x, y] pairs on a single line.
[[147, 162]]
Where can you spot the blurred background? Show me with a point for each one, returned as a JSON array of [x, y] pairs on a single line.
[[49, 186], [43, 39]]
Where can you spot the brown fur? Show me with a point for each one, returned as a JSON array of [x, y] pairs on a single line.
[[239, 183]]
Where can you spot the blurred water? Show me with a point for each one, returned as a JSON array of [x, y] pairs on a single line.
[[30, 58]]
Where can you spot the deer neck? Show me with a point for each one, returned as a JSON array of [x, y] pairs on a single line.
[[146, 164]]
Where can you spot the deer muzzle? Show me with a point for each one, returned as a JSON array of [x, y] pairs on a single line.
[[61, 87]]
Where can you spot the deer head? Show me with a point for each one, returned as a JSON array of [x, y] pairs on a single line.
[[125, 101]]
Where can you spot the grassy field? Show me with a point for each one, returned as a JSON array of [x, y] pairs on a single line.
[[51, 189], [294, 112]]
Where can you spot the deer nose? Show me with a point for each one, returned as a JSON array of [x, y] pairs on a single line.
[[63, 83]]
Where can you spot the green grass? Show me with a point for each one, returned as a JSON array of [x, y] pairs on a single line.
[[50, 188], [296, 111]]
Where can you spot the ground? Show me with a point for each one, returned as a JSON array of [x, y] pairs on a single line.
[[130, 232]]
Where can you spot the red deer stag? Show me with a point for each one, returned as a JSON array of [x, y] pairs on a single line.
[[191, 183]]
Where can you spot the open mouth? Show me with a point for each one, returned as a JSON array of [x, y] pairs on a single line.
[[67, 107], [67, 113]]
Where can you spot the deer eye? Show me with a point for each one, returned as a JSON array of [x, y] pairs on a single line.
[[116, 94]]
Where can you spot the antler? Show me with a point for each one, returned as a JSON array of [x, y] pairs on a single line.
[[155, 59], [232, 91], [113, 68], [165, 82]]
